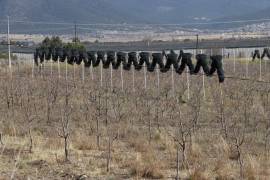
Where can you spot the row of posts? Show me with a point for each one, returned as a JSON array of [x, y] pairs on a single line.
[[157, 74], [234, 53]]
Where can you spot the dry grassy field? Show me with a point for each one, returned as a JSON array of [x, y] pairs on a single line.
[[73, 128]]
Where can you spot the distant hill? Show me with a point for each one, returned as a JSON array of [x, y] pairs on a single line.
[[132, 11], [92, 11], [182, 11]]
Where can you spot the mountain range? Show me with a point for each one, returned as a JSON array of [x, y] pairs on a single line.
[[133, 11]]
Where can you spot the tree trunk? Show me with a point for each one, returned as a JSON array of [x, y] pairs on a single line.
[[184, 155], [109, 156], [177, 170], [66, 148], [149, 128], [30, 141], [1, 139], [98, 138]]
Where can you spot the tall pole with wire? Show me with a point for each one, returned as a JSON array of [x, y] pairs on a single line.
[[197, 43], [75, 32], [9, 55]]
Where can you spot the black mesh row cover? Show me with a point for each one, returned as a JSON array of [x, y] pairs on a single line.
[[87, 62], [180, 55], [73, 56], [57, 53], [159, 58], [156, 59], [201, 62], [133, 59], [266, 53], [111, 57], [93, 58], [83, 58], [116, 62], [70, 59], [41, 54], [76, 56], [101, 58], [64, 55], [48, 53], [144, 58], [171, 59], [179, 62], [217, 66], [36, 57], [54, 55], [186, 61], [256, 54], [60, 53], [123, 57]]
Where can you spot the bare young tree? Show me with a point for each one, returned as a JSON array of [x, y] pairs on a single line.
[[181, 135], [64, 130], [96, 101], [184, 134], [111, 139], [88, 110], [98, 116], [221, 119], [149, 119], [51, 98], [29, 112], [238, 139], [7, 95], [195, 107], [118, 107]]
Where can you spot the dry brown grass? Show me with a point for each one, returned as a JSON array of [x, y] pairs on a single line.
[[223, 170], [251, 169], [198, 174], [147, 166], [140, 144], [53, 143], [211, 155], [195, 154], [83, 142]]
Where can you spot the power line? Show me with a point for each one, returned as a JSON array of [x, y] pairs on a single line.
[[75, 32]]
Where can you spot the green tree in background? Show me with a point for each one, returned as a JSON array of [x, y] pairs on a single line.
[[56, 42]]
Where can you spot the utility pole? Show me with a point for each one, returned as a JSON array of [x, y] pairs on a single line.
[[8, 41], [75, 32], [197, 43]]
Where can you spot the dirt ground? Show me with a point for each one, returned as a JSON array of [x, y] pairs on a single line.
[[68, 127]]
